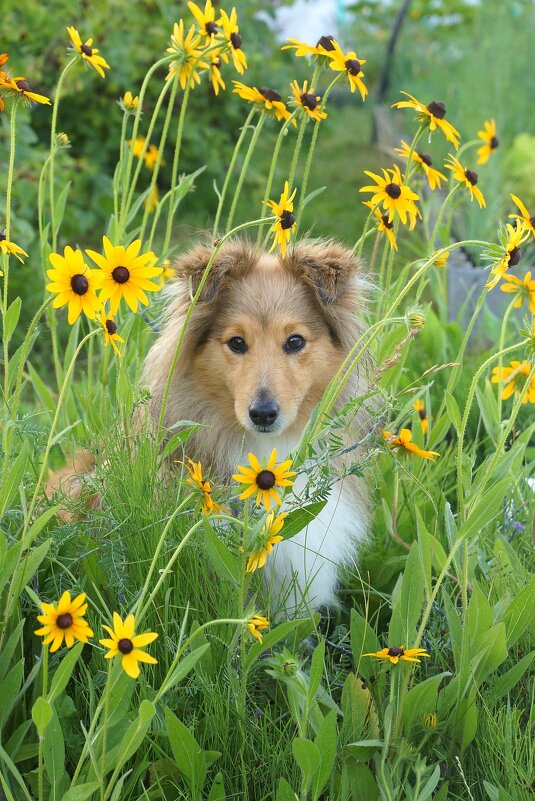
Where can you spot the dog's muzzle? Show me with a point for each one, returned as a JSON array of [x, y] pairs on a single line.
[[263, 413]]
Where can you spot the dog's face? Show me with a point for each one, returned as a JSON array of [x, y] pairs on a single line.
[[266, 347]]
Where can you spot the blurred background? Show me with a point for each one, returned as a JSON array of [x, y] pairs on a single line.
[[474, 55]]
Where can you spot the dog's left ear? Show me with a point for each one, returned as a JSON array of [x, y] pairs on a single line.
[[325, 266]]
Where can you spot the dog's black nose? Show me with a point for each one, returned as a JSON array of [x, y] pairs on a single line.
[[263, 412]]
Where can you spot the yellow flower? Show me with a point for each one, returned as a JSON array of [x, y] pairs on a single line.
[[322, 49], [394, 655], [126, 274], [395, 196], [431, 115], [384, 224], [270, 536], [129, 102], [430, 720], [256, 625], [64, 622], [231, 32], [141, 150], [189, 56], [509, 376], [124, 643], [442, 261], [434, 177], [151, 201], [419, 406], [167, 273], [151, 156], [488, 135], [75, 284], [20, 87], [209, 506], [267, 99], [10, 247], [351, 65], [308, 101], [524, 288], [89, 53], [511, 252], [524, 214], [262, 480], [215, 73], [208, 25], [404, 441], [109, 329], [286, 222], [467, 177]]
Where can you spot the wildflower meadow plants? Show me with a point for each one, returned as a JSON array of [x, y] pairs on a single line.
[[141, 655]]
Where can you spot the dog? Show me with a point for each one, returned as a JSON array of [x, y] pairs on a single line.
[[263, 342]]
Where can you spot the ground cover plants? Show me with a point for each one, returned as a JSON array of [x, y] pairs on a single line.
[[141, 656]]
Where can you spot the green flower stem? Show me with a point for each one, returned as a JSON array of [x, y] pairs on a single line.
[[466, 145], [440, 214], [41, 199], [503, 332], [297, 149], [464, 422], [410, 163], [53, 148], [389, 267], [359, 244], [40, 771], [382, 266], [9, 190], [119, 174], [245, 165], [243, 133], [102, 777]]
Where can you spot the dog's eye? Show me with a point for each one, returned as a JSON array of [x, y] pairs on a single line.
[[237, 344], [294, 343]]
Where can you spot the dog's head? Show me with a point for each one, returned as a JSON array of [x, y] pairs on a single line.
[[268, 334]]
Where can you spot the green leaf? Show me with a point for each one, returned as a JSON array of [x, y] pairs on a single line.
[[187, 752], [217, 790], [358, 710], [298, 519], [520, 612], [28, 565], [41, 715], [184, 667], [316, 670], [39, 524], [430, 784], [421, 699], [491, 651], [307, 756], [312, 195], [269, 640], [54, 756], [285, 792], [487, 508], [412, 595], [9, 690], [135, 733], [12, 317], [14, 477], [363, 641], [9, 649], [363, 750], [60, 205], [81, 792], [453, 410], [41, 390], [503, 684], [479, 615], [180, 437], [64, 672], [361, 781], [224, 562], [325, 742]]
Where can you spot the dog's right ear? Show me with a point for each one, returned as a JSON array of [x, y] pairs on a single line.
[[233, 260]]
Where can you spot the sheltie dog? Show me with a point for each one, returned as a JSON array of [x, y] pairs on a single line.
[[264, 340]]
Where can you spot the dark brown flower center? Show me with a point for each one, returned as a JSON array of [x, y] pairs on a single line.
[[426, 158], [437, 109], [2, 236], [494, 143], [270, 94], [326, 42], [471, 176], [531, 222], [352, 65], [86, 50], [211, 28], [265, 480], [120, 275], [236, 40], [514, 256], [421, 414], [386, 221], [79, 284], [125, 646], [64, 621], [309, 101], [287, 219], [24, 86], [111, 327], [395, 652], [393, 190]]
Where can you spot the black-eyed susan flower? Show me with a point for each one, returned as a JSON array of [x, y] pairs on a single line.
[[524, 215], [351, 65], [19, 87], [209, 26], [267, 99], [195, 479], [7, 247], [467, 177], [127, 645], [523, 288], [109, 331], [394, 195], [419, 406], [511, 238], [214, 72], [74, 284], [513, 379], [385, 226], [306, 99], [320, 50], [188, 50], [263, 480], [64, 622], [231, 32], [257, 624], [126, 274], [89, 54], [149, 153], [424, 162], [128, 102], [431, 115], [394, 655], [404, 440], [491, 141], [269, 536], [442, 261], [286, 222], [3, 76]]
